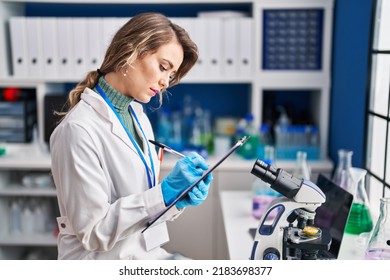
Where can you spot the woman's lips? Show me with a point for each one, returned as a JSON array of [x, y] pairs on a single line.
[[154, 91]]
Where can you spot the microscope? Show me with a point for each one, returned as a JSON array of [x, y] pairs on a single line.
[[286, 230]]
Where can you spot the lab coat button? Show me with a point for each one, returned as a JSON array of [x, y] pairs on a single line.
[[63, 225]]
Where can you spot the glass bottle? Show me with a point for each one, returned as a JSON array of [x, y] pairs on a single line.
[[379, 244], [359, 219], [342, 175], [262, 193], [301, 169]]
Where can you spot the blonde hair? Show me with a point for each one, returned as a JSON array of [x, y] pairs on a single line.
[[141, 35]]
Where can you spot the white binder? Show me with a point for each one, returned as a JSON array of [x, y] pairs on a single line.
[[213, 47], [79, 46], [95, 43], [34, 50], [49, 47], [188, 25], [199, 37], [230, 47], [65, 43], [245, 52], [110, 25], [18, 46]]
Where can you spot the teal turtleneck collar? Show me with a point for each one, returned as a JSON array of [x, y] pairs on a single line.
[[121, 104], [120, 101]]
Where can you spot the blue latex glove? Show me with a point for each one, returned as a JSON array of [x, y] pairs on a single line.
[[186, 171], [197, 194]]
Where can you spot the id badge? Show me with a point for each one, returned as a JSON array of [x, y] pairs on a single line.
[[156, 236]]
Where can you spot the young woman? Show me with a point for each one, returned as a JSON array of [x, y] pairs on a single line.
[[103, 166]]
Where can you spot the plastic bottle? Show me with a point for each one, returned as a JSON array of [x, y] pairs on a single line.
[[15, 217], [265, 139], [249, 149], [282, 133], [313, 137], [164, 128], [187, 120], [301, 169], [195, 134], [39, 216], [207, 135], [27, 219], [262, 193], [177, 141]]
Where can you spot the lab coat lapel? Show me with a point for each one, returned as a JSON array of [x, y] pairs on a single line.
[[97, 102], [101, 107]]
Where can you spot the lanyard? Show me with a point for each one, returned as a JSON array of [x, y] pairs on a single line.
[[140, 153]]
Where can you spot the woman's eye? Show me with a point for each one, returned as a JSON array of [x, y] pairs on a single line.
[[162, 68]]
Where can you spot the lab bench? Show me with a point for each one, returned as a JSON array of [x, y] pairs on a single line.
[[237, 220]]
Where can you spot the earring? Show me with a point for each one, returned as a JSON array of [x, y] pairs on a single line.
[[125, 74]]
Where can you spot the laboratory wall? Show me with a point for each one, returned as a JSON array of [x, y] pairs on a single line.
[[351, 40]]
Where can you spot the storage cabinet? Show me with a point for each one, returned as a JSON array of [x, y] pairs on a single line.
[[266, 76], [28, 204]]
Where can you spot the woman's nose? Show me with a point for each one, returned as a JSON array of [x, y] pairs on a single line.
[[164, 82]]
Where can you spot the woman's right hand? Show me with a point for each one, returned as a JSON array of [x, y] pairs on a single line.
[[186, 171]]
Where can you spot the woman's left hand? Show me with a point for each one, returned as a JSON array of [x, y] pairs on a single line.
[[197, 194]]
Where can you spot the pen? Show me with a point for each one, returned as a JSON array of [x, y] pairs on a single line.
[[167, 148], [160, 159]]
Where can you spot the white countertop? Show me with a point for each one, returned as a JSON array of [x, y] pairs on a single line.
[[237, 218], [36, 155]]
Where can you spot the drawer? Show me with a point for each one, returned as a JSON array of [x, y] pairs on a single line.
[[15, 135], [20, 108], [17, 122]]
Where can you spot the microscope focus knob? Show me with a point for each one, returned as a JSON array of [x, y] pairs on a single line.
[[271, 254]]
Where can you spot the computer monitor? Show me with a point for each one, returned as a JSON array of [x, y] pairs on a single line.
[[333, 214]]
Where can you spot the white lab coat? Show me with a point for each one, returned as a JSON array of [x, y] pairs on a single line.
[[103, 193]]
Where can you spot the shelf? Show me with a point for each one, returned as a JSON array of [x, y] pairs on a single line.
[[32, 82], [32, 156], [132, 2], [236, 163], [293, 79], [23, 191], [44, 239]]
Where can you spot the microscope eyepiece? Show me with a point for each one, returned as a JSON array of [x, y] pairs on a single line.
[[280, 180]]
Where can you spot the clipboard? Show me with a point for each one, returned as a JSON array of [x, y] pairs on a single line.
[[184, 193]]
